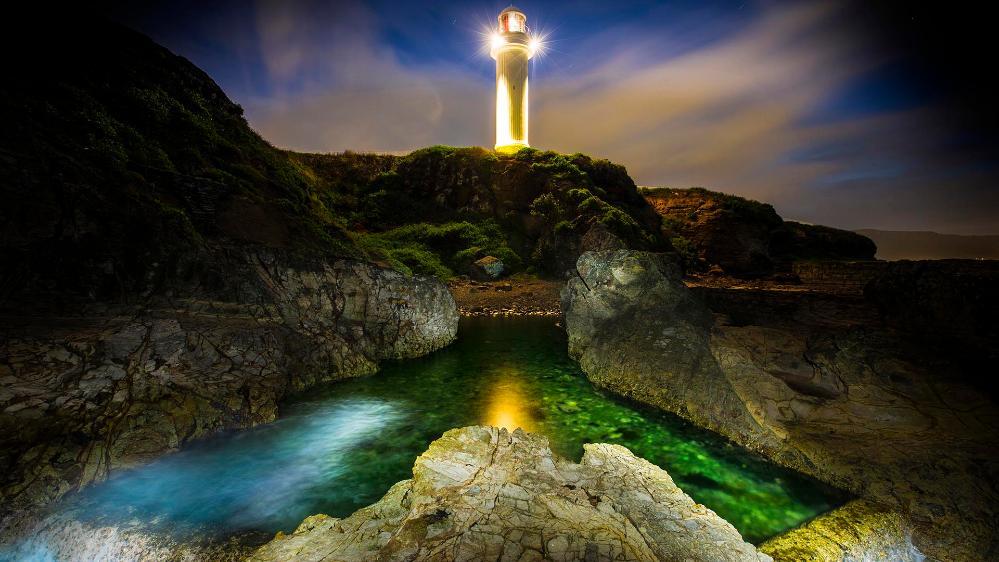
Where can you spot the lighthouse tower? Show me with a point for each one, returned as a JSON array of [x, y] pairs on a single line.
[[512, 48]]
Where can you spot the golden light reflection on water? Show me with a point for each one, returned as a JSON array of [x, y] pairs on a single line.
[[509, 404]]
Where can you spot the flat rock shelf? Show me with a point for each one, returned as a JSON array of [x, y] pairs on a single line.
[[340, 447]]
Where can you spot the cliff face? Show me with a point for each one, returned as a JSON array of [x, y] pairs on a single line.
[[807, 382], [485, 494], [747, 238]]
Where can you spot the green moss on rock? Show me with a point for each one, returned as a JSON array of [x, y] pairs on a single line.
[[860, 530]]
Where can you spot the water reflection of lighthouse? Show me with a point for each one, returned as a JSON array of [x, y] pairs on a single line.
[[512, 48]]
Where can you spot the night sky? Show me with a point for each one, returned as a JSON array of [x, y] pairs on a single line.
[[873, 114]]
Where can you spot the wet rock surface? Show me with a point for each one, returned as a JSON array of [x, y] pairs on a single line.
[[817, 385], [482, 493], [114, 385]]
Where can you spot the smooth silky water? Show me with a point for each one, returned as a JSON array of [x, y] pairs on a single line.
[[341, 446]]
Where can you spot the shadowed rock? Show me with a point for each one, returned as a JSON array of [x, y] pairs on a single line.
[[852, 403]]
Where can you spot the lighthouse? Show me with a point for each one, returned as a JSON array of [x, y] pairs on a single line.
[[512, 48]]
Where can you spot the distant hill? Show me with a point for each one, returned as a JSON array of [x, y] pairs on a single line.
[[924, 245]]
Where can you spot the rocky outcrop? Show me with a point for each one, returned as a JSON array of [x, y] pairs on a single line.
[[851, 403], [482, 493], [860, 531], [746, 238], [116, 385]]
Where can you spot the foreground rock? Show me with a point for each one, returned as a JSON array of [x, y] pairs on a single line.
[[481, 493], [800, 380], [860, 530], [114, 386]]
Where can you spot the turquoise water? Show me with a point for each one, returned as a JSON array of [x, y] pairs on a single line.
[[340, 447]]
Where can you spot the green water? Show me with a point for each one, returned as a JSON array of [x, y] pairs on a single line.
[[516, 373], [340, 447]]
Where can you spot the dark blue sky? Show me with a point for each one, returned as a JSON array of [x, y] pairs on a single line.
[[851, 115]]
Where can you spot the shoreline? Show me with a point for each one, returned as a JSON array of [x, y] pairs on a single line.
[[517, 295]]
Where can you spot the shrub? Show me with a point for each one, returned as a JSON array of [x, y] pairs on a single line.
[[686, 250]]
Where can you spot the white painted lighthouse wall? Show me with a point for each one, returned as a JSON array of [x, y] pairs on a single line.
[[511, 96]]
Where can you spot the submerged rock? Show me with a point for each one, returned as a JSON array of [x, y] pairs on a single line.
[[482, 493], [848, 401]]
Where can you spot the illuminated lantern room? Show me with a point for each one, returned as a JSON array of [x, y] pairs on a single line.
[[512, 20], [512, 48]]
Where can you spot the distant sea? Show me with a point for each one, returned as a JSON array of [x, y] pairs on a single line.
[[924, 245]]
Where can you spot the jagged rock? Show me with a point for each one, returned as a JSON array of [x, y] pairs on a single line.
[[482, 493], [851, 403], [88, 394], [487, 268]]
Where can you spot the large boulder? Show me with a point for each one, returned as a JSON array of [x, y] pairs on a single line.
[[636, 329], [482, 493], [843, 399]]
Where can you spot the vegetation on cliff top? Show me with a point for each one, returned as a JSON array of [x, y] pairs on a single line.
[[438, 209]]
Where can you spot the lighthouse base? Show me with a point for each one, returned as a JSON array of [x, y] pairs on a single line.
[[512, 148]]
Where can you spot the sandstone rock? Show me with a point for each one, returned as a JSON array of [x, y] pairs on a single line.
[[483, 493], [487, 268], [851, 403]]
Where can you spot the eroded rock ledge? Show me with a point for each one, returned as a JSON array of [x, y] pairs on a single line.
[[859, 531], [482, 493], [849, 402], [112, 386]]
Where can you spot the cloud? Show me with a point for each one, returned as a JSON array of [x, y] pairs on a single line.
[[736, 114], [337, 87]]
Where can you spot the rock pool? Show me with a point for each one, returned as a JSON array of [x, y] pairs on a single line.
[[340, 447]]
